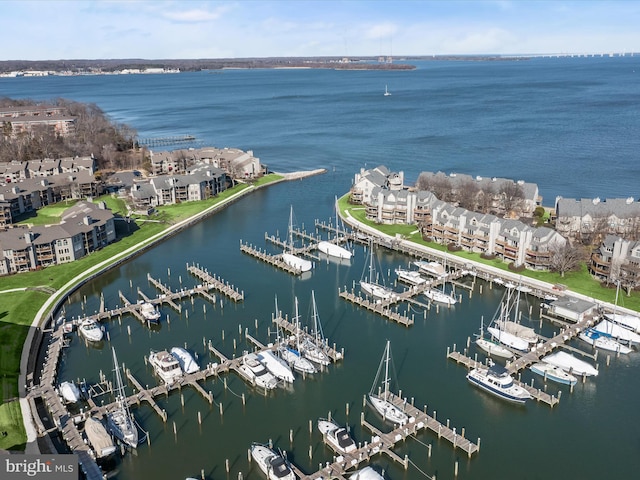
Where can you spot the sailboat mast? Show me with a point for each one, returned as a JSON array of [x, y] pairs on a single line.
[[291, 228], [386, 373]]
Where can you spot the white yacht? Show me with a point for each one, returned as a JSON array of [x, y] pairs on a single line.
[[553, 373], [257, 373], [337, 437], [166, 366], [272, 464], [380, 400], [120, 421], [497, 381], [571, 364], [276, 366], [90, 330], [185, 359], [98, 437], [150, 313], [334, 249], [291, 354]]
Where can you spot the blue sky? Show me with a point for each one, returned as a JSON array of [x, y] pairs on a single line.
[[48, 30]]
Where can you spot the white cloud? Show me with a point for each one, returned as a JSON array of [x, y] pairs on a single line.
[[196, 15]]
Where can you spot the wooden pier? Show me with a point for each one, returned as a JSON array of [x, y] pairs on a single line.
[[382, 308], [292, 328], [216, 283], [273, 260], [384, 442]]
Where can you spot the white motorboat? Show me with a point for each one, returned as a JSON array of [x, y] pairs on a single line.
[[603, 341], [150, 313], [553, 373], [432, 268], [257, 373], [90, 330], [367, 473], [368, 282], [315, 350], [185, 359], [288, 257], [618, 332], [497, 381], [440, 297], [272, 464], [69, 392], [412, 277], [381, 399], [571, 364], [166, 366], [120, 420], [337, 437], [98, 437], [276, 366]]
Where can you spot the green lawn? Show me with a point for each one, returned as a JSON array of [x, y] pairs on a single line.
[[11, 423]]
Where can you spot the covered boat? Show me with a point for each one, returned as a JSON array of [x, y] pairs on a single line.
[[99, 438], [571, 364], [367, 473], [185, 359], [432, 268], [69, 392], [276, 366]]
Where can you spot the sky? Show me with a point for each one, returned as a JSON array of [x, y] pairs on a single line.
[[53, 30]]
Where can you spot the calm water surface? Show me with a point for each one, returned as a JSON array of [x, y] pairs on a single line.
[[568, 125]]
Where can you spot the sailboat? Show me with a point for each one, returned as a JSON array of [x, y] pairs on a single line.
[[386, 91], [314, 349], [492, 347], [120, 421], [292, 355], [506, 331], [368, 282], [333, 249], [288, 257], [381, 400]]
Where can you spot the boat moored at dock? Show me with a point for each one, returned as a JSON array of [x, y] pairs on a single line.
[[166, 366], [272, 464], [69, 392], [553, 373], [571, 364], [90, 330], [185, 359], [150, 313], [497, 381], [380, 400], [276, 366], [257, 373], [603, 341], [98, 437], [336, 436]]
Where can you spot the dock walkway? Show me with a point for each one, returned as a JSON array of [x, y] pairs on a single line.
[[216, 283]]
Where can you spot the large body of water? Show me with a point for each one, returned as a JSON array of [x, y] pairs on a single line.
[[569, 125]]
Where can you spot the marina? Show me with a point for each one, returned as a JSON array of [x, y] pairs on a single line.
[[258, 102]]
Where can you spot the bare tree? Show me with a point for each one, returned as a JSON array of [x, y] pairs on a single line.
[[512, 196], [467, 195], [486, 198], [594, 232], [566, 257], [441, 188]]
